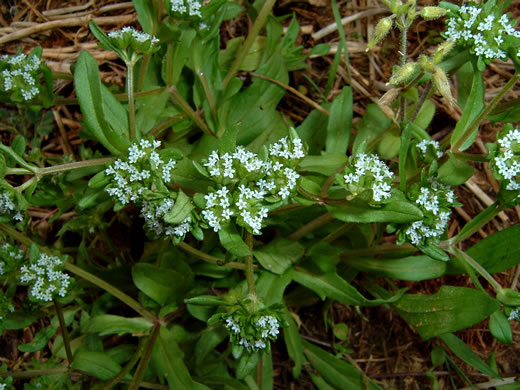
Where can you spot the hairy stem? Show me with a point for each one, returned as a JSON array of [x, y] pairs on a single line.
[[60, 168]]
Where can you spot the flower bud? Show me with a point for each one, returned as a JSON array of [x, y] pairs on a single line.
[[404, 74], [443, 86], [381, 30], [426, 64], [443, 49], [430, 13]]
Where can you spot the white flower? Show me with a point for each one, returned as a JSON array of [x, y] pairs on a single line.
[[187, 7], [423, 147], [515, 315]]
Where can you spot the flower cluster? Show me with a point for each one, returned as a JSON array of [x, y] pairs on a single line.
[[141, 179], [138, 41], [10, 208], [20, 75], [187, 8], [46, 276], [367, 176], [483, 33], [246, 183], [506, 162], [435, 201], [11, 257], [514, 315], [427, 145], [252, 332]]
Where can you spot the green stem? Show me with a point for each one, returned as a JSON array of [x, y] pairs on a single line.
[[210, 259], [404, 43], [250, 271], [160, 127], [20, 237], [475, 224], [60, 168], [421, 102], [17, 158], [251, 37], [145, 359], [486, 111], [126, 369], [189, 111], [27, 184], [471, 156], [34, 373], [64, 332], [130, 91], [312, 225], [477, 267], [111, 290]]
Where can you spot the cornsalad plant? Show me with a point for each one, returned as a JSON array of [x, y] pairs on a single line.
[[226, 207]]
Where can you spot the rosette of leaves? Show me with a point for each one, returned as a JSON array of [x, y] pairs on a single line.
[[483, 29], [12, 204], [44, 274], [435, 201], [505, 163], [26, 79], [366, 178]]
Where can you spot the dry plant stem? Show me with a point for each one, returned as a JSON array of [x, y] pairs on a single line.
[[312, 225], [244, 49], [294, 91], [64, 332], [347, 19], [210, 259], [189, 111], [486, 111], [145, 359], [70, 22], [250, 271], [66, 145]]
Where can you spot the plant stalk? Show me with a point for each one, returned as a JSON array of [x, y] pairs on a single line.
[[476, 223], [255, 30], [64, 332], [189, 111], [477, 267], [59, 168], [130, 91], [312, 225], [404, 43], [128, 300], [145, 359], [210, 259], [486, 111], [250, 271]]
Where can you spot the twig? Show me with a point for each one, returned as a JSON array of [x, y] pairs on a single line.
[[72, 22], [348, 19]]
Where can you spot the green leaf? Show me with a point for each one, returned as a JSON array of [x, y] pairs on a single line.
[[180, 210], [462, 351], [293, 343], [454, 171], [339, 127], [397, 211], [451, 309], [116, 114], [340, 374], [88, 89], [97, 364], [161, 284], [390, 145], [320, 383], [473, 107], [279, 254], [413, 268], [331, 285], [110, 324], [270, 287], [326, 164], [40, 340], [247, 363], [374, 123], [267, 371], [438, 356], [231, 240], [500, 327], [426, 114], [145, 16], [103, 39], [207, 343], [168, 362], [496, 253], [150, 110]]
